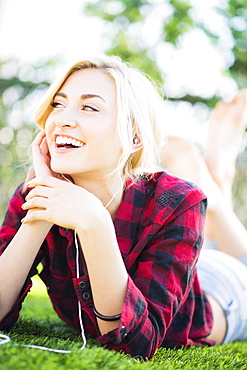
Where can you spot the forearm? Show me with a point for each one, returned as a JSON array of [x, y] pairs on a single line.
[[107, 273], [16, 262]]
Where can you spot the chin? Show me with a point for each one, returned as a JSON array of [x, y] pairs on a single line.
[[60, 169]]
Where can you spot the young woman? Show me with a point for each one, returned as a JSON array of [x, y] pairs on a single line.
[[111, 232]]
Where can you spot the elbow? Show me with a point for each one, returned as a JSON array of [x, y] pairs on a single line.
[[5, 306], [3, 311], [7, 318]]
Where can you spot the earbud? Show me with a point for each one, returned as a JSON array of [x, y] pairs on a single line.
[[135, 140]]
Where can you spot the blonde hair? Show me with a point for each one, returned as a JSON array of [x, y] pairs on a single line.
[[140, 110]]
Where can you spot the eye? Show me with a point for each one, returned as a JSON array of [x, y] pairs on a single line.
[[89, 108], [56, 105]]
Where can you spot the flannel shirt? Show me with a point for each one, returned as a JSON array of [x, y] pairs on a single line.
[[159, 227]]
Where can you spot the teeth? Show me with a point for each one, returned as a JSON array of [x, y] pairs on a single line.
[[64, 140]]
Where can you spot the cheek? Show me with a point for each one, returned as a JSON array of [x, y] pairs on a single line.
[[48, 123]]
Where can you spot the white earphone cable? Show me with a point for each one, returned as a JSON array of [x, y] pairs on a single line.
[[79, 306], [6, 339]]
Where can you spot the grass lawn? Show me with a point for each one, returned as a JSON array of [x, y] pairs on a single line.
[[39, 325]]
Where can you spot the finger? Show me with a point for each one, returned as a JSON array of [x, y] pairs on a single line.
[[39, 138], [37, 202], [36, 149], [44, 147], [35, 215], [48, 181], [39, 146], [39, 191], [41, 156]]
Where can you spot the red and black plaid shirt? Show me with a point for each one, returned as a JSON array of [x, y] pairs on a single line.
[[159, 228]]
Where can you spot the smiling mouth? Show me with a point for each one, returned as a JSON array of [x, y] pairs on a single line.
[[67, 142]]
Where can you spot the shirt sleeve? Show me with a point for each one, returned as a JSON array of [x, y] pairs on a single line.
[[163, 278], [11, 224]]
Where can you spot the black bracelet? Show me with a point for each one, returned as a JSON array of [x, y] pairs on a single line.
[[106, 318]]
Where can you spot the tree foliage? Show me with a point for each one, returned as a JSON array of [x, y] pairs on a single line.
[[236, 14], [20, 86], [138, 31], [125, 21]]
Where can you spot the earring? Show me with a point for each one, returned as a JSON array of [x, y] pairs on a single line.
[[135, 140]]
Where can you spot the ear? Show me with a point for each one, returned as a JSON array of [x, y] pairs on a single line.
[[137, 143]]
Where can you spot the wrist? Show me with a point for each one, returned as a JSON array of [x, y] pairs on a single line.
[[42, 227], [106, 318], [98, 220]]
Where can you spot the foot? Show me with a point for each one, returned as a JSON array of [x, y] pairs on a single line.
[[226, 129]]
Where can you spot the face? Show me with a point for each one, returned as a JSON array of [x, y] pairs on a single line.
[[81, 130]]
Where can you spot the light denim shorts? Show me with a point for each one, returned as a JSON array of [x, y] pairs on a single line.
[[225, 278]]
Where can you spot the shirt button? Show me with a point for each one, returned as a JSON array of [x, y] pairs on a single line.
[[86, 296], [82, 284], [150, 193]]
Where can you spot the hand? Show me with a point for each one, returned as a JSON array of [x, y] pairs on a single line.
[[41, 157], [62, 203]]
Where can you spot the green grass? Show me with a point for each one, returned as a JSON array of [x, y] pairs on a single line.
[[39, 325]]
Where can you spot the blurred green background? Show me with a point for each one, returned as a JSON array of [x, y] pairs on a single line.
[[196, 51]]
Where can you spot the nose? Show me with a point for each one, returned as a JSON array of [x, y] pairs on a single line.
[[65, 123], [64, 119]]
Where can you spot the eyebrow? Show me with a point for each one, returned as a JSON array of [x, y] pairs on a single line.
[[83, 96]]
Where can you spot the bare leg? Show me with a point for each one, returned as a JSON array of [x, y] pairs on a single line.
[[227, 126], [183, 159], [215, 174]]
